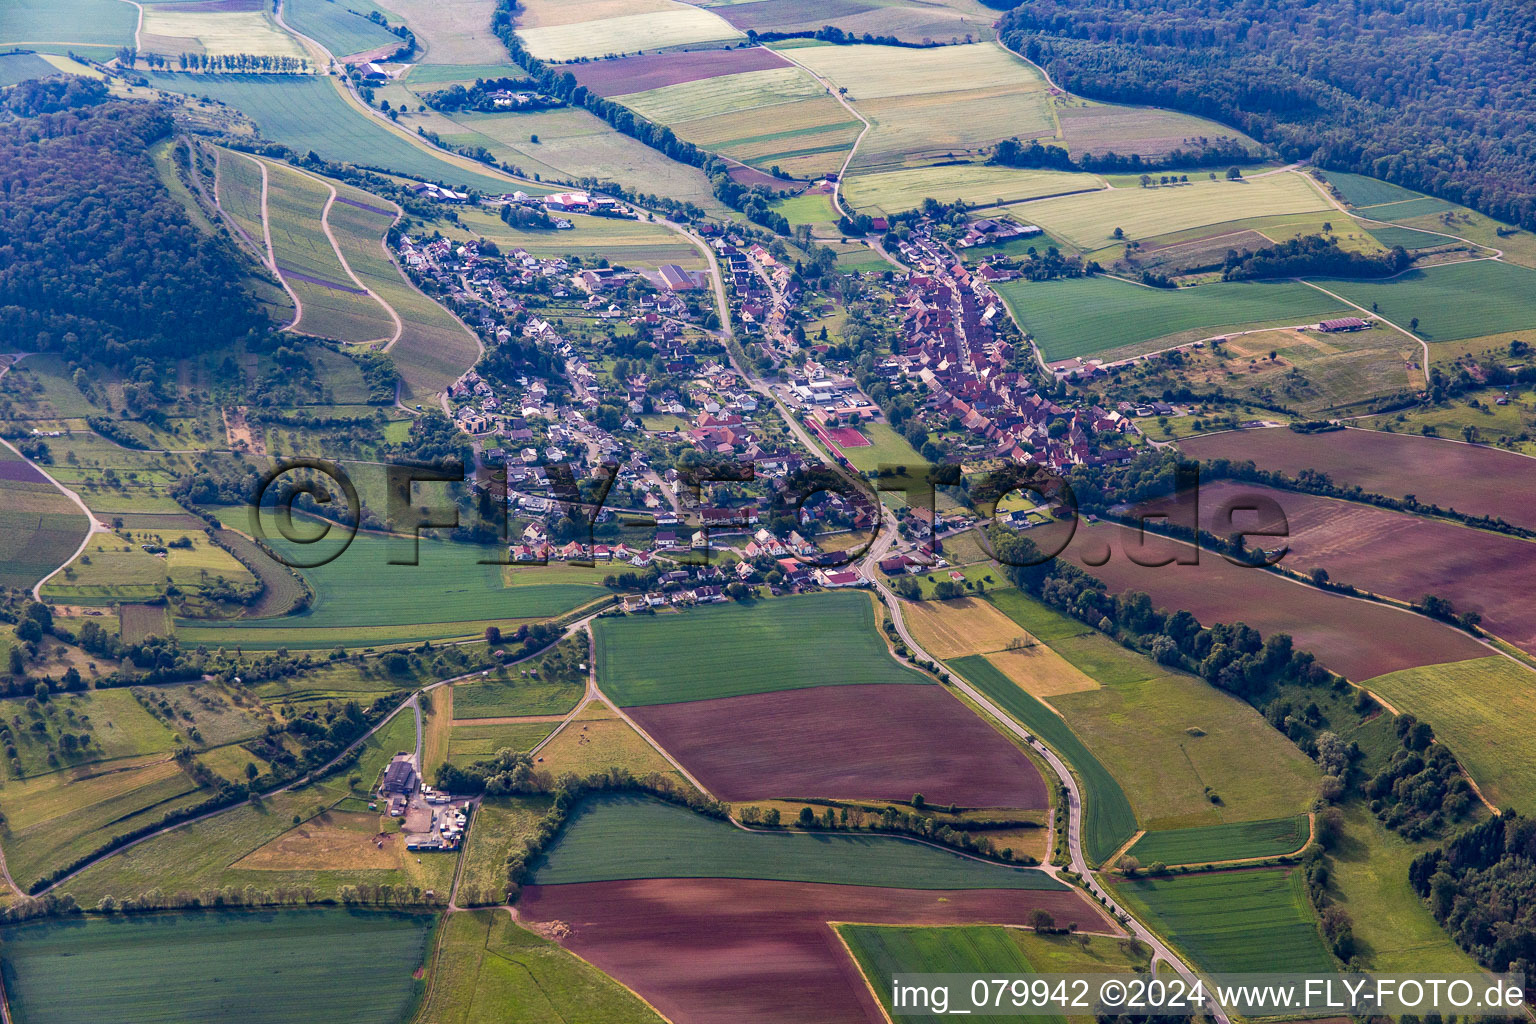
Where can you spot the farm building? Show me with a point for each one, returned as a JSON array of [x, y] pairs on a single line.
[[568, 201], [1343, 323], [399, 777], [439, 194], [679, 280]]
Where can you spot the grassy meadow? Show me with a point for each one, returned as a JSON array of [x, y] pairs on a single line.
[[620, 837], [500, 823], [1108, 819], [336, 26], [886, 951], [1089, 221], [449, 593], [93, 27], [729, 650], [1185, 753], [887, 192]]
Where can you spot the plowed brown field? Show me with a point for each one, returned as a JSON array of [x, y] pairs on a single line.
[[1469, 478], [876, 742], [709, 950], [1358, 639], [654, 70]]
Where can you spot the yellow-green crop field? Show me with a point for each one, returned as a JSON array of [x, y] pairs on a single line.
[[975, 184], [217, 32], [1481, 710], [1089, 221]]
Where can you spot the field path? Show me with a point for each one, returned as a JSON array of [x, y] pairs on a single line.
[[1160, 951], [842, 172], [330, 236], [1401, 330], [266, 232], [94, 527]]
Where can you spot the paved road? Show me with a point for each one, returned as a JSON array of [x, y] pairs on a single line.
[[1078, 862]]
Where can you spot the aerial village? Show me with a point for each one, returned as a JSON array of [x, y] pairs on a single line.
[[640, 381]]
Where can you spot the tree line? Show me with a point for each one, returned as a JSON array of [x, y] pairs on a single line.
[[101, 261], [1431, 95]]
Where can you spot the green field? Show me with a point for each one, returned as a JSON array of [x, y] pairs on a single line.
[[308, 113], [1479, 709], [19, 67], [811, 208], [1108, 820], [729, 650], [886, 448], [1408, 238], [335, 26], [1451, 302], [1359, 190], [1211, 843], [58, 26], [1255, 920], [434, 349], [973, 184], [622, 837], [296, 206], [885, 951], [1089, 221], [447, 594], [1091, 316], [490, 971], [443, 74], [272, 966], [39, 527]]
